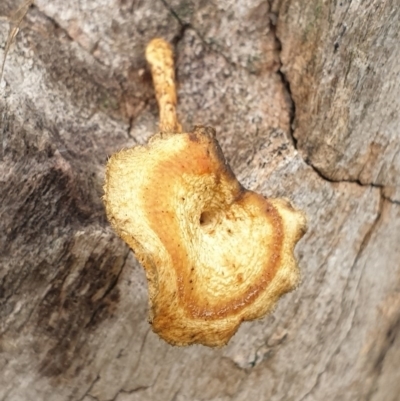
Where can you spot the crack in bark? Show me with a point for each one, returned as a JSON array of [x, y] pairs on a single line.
[[92, 397], [292, 116], [212, 48], [90, 389], [173, 12], [390, 200], [135, 390], [286, 84], [138, 389]]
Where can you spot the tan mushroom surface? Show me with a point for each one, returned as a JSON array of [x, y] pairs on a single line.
[[215, 254]]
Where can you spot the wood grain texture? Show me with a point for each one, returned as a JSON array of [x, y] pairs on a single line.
[[73, 301], [348, 53]]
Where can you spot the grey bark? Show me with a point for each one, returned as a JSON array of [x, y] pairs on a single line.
[[304, 97]]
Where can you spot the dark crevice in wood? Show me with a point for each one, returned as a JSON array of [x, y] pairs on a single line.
[[137, 389], [292, 116], [185, 26], [393, 201], [89, 389], [173, 12], [273, 20]]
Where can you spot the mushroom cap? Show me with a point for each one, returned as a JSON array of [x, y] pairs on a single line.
[[215, 254]]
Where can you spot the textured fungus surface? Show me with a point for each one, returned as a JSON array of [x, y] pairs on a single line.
[[215, 253]]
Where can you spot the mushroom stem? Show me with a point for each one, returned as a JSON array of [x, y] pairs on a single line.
[[160, 56]]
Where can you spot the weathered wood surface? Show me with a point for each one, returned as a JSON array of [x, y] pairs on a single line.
[[304, 97]]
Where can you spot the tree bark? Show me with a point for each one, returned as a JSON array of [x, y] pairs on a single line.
[[304, 98]]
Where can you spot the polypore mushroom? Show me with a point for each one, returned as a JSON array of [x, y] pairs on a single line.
[[215, 254]]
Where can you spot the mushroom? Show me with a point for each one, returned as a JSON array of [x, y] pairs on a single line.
[[215, 253]]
